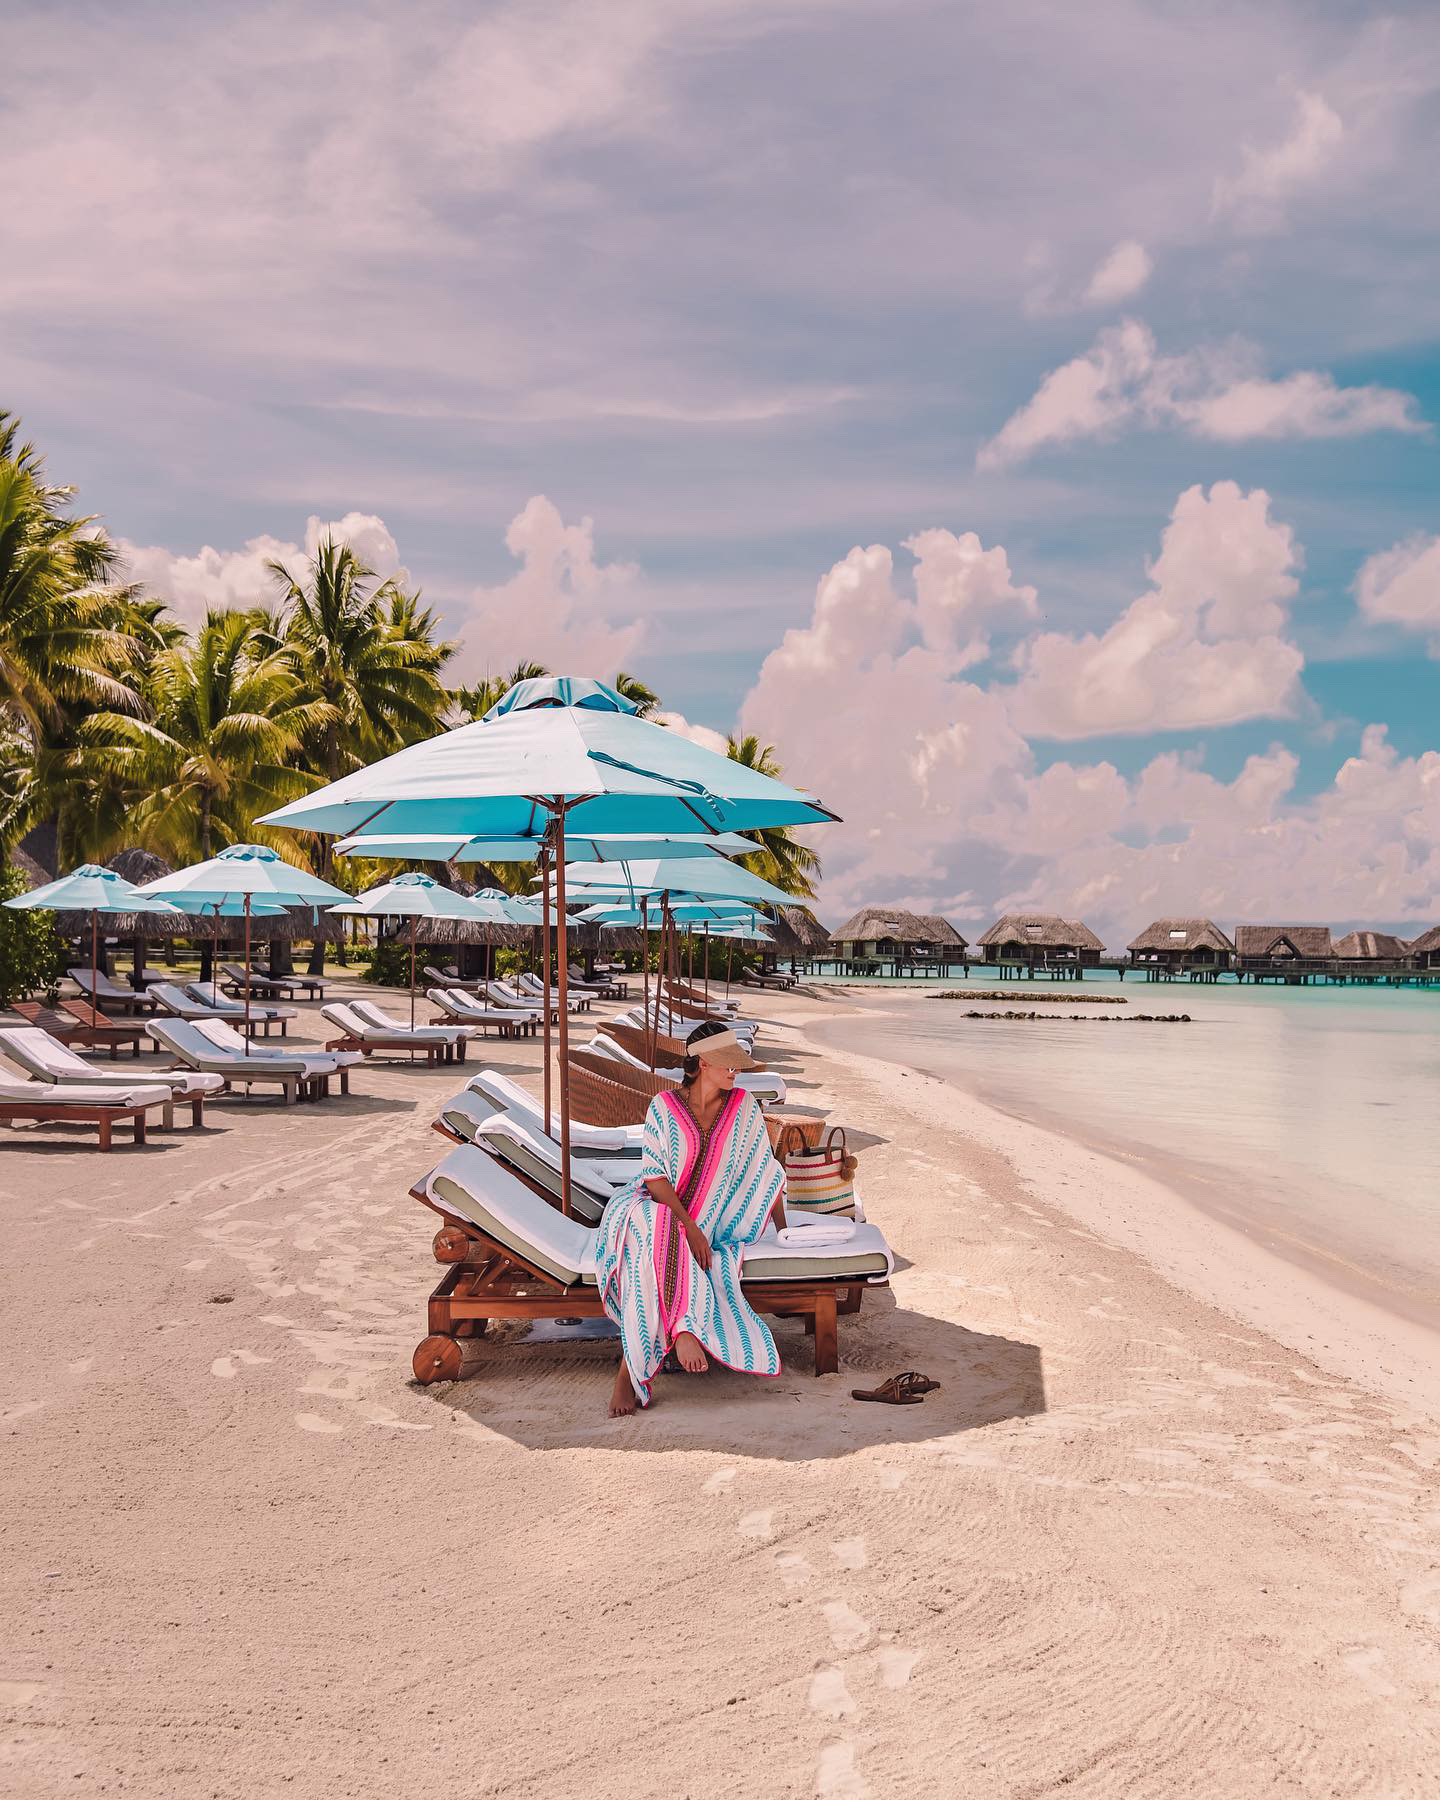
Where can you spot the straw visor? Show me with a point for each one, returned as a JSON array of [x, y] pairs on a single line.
[[725, 1048]]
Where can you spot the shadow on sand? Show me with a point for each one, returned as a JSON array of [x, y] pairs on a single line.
[[552, 1396]]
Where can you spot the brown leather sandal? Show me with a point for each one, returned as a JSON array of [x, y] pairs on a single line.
[[907, 1389]]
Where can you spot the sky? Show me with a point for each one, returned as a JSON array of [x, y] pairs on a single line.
[[1023, 417]]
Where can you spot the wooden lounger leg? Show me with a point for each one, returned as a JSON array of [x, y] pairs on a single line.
[[140, 1126], [167, 1115], [104, 1131], [827, 1336], [197, 1111]]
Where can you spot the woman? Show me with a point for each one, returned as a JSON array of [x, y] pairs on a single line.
[[668, 1247]]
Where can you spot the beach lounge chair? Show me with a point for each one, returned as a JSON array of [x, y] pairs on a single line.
[[193, 1043], [767, 1087], [607, 985], [506, 1095], [592, 1181], [91, 1104], [755, 978], [107, 993], [175, 1003], [512, 1254], [437, 1043], [41, 1057], [279, 987], [78, 1022], [509, 1021], [695, 997], [463, 1115], [532, 987], [678, 1026], [448, 979], [208, 994]]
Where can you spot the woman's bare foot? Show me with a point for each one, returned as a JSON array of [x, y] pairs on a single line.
[[692, 1357], [623, 1400]]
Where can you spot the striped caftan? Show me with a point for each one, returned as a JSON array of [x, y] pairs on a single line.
[[650, 1283]]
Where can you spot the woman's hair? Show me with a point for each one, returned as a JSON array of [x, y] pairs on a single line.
[[690, 1068]]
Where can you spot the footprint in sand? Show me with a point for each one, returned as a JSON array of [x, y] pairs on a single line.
[[20, 1693], [829, 1696], [837, 1778], [718, 1483], [890, 1476], [82, 1367], [313, 1422], [1364, 1665], [760, 1524], [1421, 1598], [848, 1631], [224, 1366], [896, 1665], [9, 1414], [795, 1571], [850, 1553]]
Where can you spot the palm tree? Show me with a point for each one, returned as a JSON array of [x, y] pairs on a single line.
[[475, 702], [223, 745], [779, 857], [644, 699], [363, 660]]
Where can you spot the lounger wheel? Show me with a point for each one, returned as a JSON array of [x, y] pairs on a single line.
[[441, 1358], [451, 1245]]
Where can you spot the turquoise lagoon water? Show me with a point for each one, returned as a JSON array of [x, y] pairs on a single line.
[[1307, 1116]]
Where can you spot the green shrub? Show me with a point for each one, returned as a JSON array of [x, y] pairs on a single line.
[[32, 957], [390, 963]]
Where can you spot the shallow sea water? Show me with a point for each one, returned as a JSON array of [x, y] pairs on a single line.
[[1308, 1114]]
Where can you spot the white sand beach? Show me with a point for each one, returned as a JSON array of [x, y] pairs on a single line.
[[1139, 1543]]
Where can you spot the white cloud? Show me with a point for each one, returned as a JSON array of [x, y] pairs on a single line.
[[697, 734], [1202, 647], [191, 585], [1401, 586], [1216, 393], [1123, 272], [556, 609], [1253, 198]]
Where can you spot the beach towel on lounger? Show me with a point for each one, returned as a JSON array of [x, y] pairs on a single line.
[[650, 1283]]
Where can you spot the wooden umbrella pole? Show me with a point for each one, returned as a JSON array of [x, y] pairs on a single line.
[[95, 958], [707, 962], [412, 971], [247, 974], [729, 959], [645, 971], [564, 1012], [545, 940]]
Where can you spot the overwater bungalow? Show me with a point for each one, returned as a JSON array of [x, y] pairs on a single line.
[[1181, 947], [1282, 952], [796, 936], [886, 934], [1371, 947], [1424, 951], [1042, 943]]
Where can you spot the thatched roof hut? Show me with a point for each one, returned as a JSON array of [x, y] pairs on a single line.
[[1424, 951], [34, 875], [1039, 938], [1283, 943], [1182, 943], [888, 930], [795, 932], [1371, 946]]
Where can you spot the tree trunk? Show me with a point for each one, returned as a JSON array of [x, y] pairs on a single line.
[[280, 959], [205, 826]]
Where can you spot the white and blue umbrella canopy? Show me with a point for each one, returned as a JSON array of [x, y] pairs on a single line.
[[712, 878], [253, 869], [610, 912], [90, 888], [532, 912], [227, 909], [414, 896], [446, 847], [547, 741]]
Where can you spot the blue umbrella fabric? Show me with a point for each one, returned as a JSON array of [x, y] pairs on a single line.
[[447, 847], [712, 877], [94, 889], [545, 743]]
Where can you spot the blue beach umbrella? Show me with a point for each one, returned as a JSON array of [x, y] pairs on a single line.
[[712, 878], [245, 876], [413, 896], [94, 889], [446, 847]]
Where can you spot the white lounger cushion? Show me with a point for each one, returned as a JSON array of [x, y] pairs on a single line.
[[211, 1044], [473, 1186], [464, 1006], [208, 994], [767, 1087], [473, 1117], [317, 1062], [45, 1057], [509, 1096], [379, 1020], [47, 1093]]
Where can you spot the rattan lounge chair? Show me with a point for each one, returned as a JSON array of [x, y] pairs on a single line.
[[40, 1056], [512, 1254], [88, 1105], [367, 1036], [506, 1095], [509, 1021]]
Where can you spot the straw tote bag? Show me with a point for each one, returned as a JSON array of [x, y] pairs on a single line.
[[819, 1178]]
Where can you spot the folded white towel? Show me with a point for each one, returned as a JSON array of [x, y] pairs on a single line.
[[815, 1232]]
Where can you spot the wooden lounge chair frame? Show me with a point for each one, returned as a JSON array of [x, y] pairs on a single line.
[[434, 1052], [77, 1022], [104, 1117], [487, 1280]]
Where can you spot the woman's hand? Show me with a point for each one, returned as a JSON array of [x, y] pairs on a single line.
[[698, 1242]]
